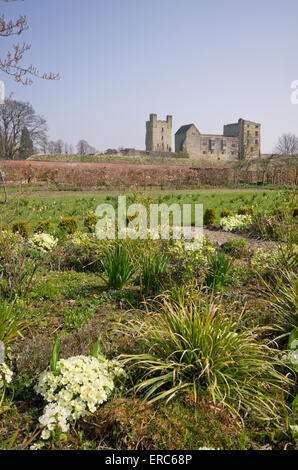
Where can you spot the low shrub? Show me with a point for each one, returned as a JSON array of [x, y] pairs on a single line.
[[209, 217], [90, 222], [245, 210], [226, 213], [68, 224], [16, 267], [236, 247], [22, 228], [281, 212], [43, 226]]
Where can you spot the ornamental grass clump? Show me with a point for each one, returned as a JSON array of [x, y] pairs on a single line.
[[13, 321], [219, 266], [282, 301], [117, 266], [154, 268], [196, 347]]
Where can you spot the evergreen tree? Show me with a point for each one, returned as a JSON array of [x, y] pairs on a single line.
[[26, 145]]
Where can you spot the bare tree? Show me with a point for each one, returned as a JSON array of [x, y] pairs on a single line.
[[83, 148], [14, 116], [11, 62], [287, 144]]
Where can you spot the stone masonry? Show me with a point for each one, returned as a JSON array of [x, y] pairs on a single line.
[[239, 141], [159, 134]]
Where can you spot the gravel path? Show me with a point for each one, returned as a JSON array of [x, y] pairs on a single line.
[[219, 237]]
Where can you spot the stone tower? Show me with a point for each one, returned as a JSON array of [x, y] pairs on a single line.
[[159, 134], [249, 137]]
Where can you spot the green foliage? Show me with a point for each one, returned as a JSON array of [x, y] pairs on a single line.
[[21, 228], [236, 247], [246, 210], [196, 347], [43, 226], [280, 212], [282, 298], [26, 145], [90, 221], [210, 217], [117, 266], [68, 224], [76, 317], [13, 321], [237, 275], [55, 353], [154, 268], [226, 213], [219, 266], [95, 350], [16, 267]]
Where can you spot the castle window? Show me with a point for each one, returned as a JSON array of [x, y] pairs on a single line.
[[257, 133], [256, 142]]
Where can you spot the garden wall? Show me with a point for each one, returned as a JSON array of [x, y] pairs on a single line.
[[126, 174]]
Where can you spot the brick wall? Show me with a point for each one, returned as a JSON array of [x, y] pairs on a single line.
[[126, 174]]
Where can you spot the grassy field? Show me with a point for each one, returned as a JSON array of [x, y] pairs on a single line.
[[33, 206], [129, 159]]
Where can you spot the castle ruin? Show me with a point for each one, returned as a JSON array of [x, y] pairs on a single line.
[[239, 141], [159, 134]]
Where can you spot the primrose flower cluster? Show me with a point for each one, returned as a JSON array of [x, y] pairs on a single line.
[[235, 223], [5, 374], [79, 238], [10, 241], [199, 249], [262, 261], [43, 242], [79, 385]]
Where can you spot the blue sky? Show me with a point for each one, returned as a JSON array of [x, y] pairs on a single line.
[[208, 62]]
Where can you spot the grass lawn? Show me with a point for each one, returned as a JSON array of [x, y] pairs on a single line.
[[32, 206]]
